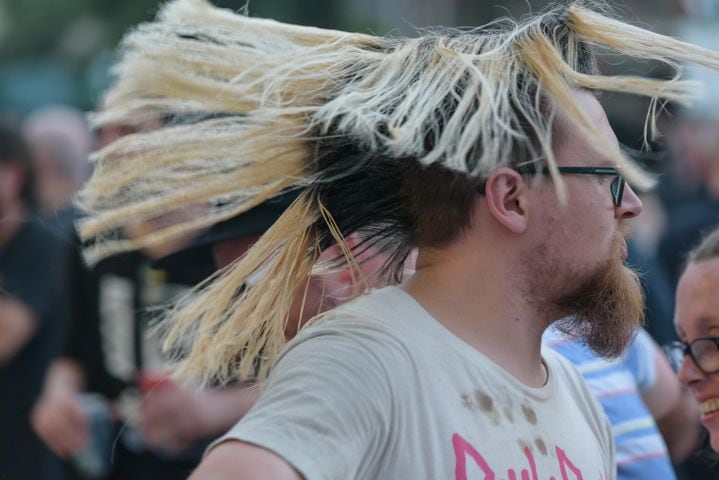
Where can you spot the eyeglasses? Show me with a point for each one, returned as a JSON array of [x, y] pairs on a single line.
[[704, 351], [616, 187]]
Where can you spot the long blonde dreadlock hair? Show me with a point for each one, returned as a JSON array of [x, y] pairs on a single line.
[[346, 117]]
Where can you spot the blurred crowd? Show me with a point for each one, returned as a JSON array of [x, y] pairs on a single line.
[[87, 394]]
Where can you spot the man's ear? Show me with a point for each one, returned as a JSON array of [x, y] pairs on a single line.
[[506, 197]]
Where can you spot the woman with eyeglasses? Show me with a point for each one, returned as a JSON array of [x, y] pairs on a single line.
[[697, 322]]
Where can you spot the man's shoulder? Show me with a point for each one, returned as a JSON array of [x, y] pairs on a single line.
[[370, 328], [381, 309]]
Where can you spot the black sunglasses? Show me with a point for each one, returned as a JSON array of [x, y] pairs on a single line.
[[616, 187], [704, 351]]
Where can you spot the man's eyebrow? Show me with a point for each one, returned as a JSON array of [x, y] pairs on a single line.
[[704, 324], [709, 322]]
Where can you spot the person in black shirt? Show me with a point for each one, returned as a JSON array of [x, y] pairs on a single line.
[[30, 266], [111, 359]]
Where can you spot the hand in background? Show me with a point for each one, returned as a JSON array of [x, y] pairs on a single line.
[[58, 417], [60, 421], [172, 417]]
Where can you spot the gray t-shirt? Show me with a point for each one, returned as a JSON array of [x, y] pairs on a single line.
[[380, 390]]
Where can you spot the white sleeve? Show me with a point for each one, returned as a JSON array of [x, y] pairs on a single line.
[[325, 408]]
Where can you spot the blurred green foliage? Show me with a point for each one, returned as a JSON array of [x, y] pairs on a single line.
[[36, 27], [61, 50]]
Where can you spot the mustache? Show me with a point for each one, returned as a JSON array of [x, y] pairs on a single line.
[[623, 233]]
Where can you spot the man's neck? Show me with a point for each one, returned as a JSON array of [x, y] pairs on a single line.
[[479, 301], [11, 219]]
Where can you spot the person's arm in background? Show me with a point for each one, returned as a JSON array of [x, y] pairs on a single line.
[[17, 326], [173, 417], [676, 412], [30, 286], [58, 416]]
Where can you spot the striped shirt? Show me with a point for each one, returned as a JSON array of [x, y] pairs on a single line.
[[617, 384]]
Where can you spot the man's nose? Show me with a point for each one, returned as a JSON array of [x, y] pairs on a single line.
[[631, 205]]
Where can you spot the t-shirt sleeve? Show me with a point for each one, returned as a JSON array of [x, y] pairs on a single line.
[[639, 360], [325, 408]]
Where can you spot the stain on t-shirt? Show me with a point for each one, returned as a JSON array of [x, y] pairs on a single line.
[[529, 414]]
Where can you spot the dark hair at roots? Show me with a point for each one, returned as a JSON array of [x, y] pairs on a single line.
[[397, 204]]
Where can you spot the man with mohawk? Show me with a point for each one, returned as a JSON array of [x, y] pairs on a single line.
[[484, 149]]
